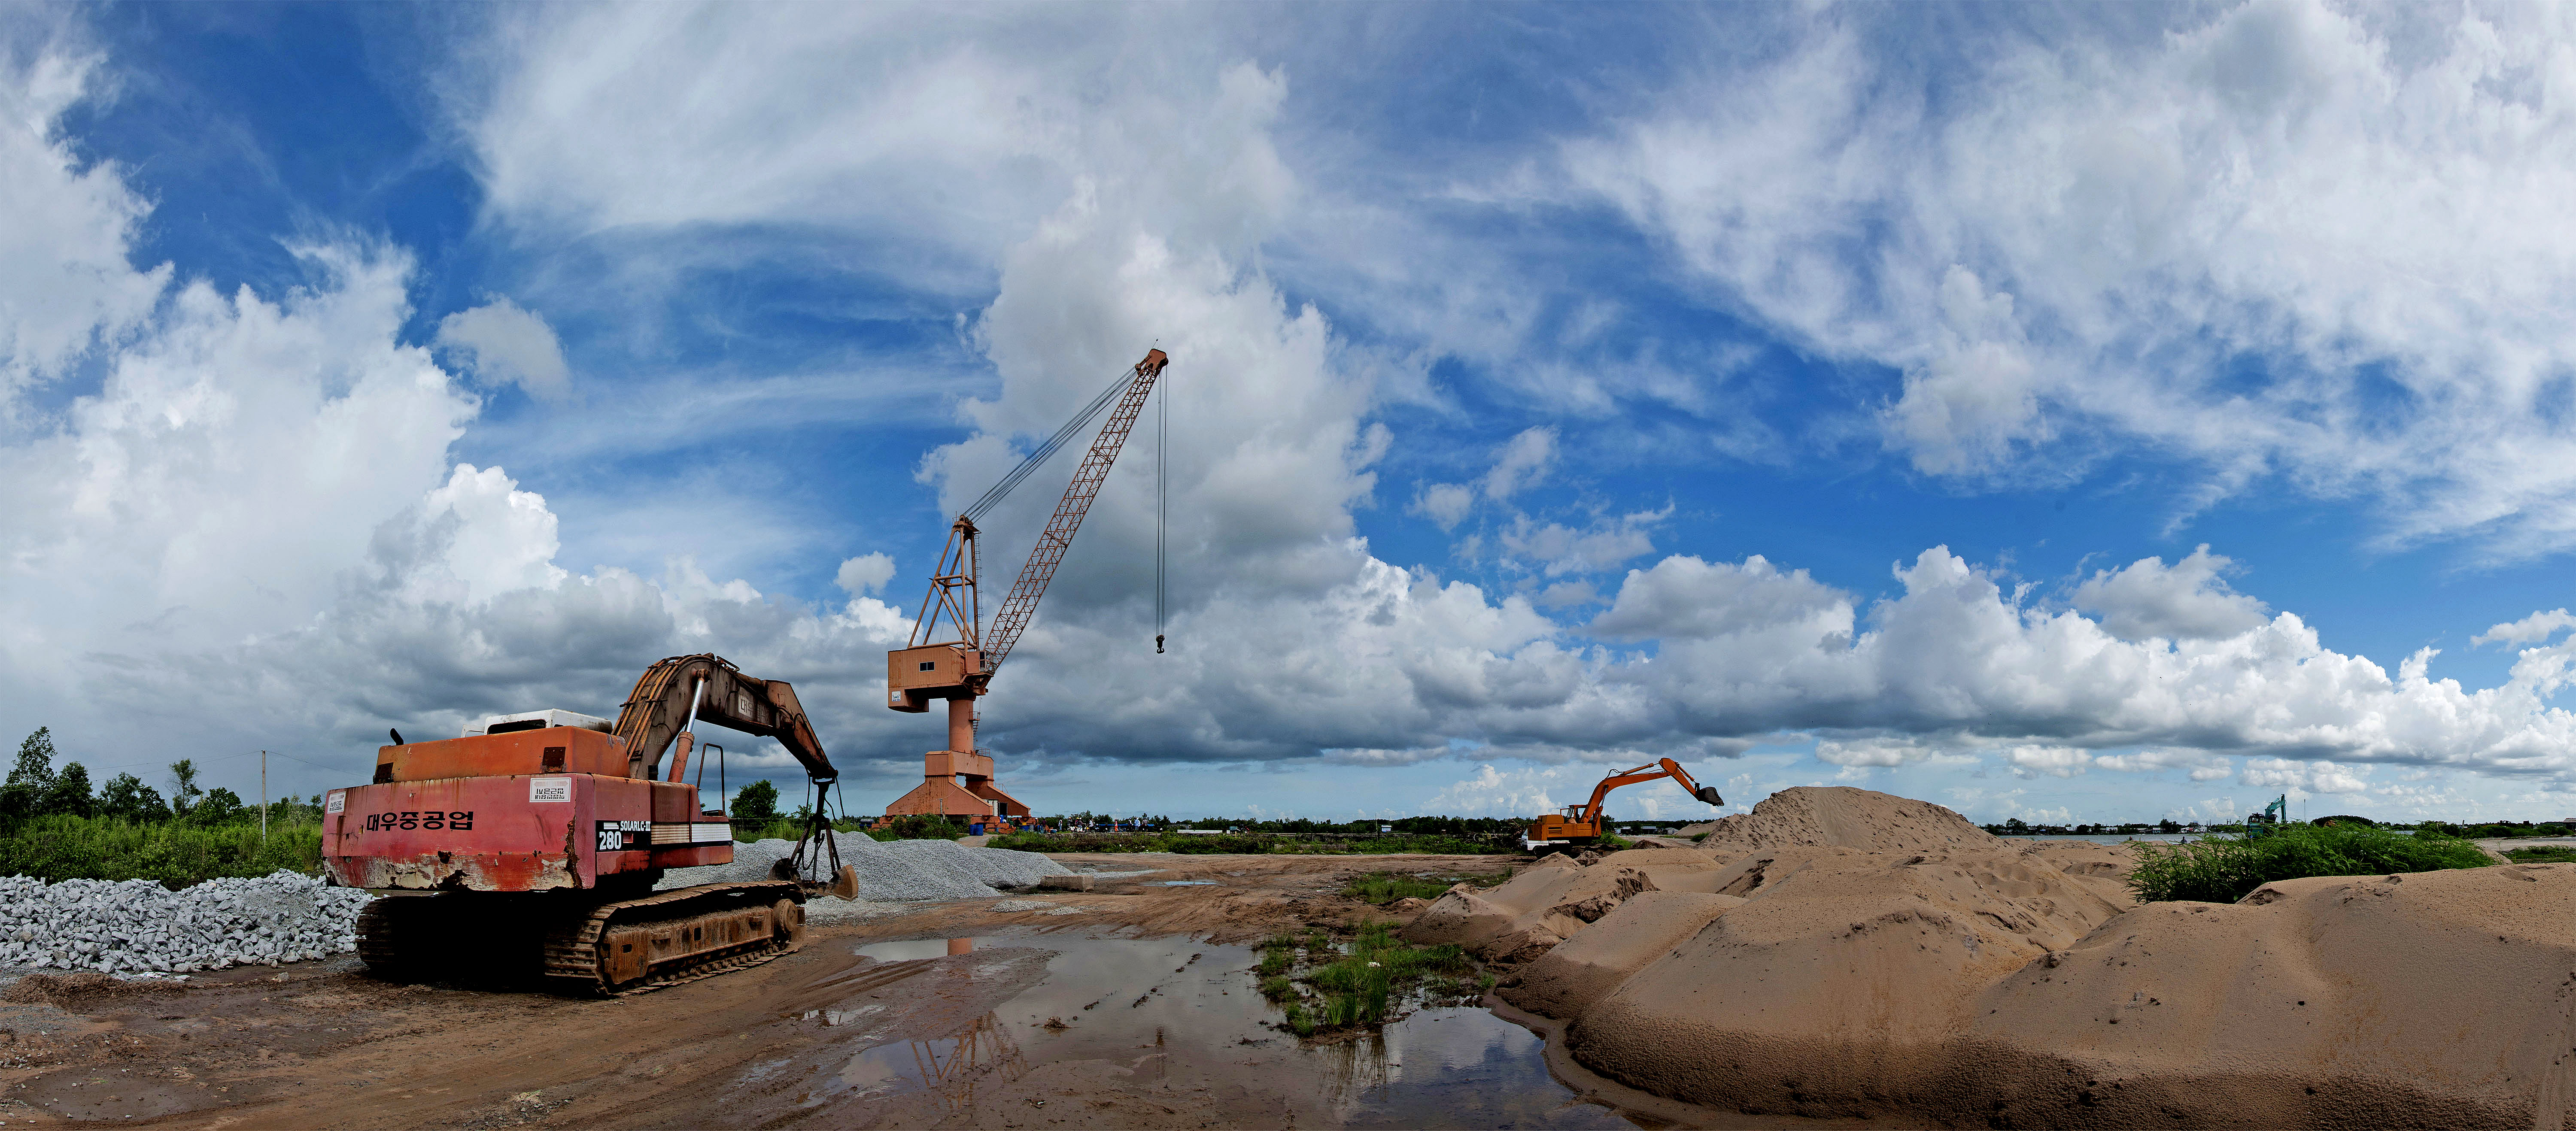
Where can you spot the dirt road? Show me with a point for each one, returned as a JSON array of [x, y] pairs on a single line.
[[783, 1044]]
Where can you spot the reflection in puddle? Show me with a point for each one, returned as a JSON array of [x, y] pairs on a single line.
[[949, 1067], [1188, 1014]]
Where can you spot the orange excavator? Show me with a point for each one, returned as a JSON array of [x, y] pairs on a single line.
[[960, 670], [534, 841], [1579, 826]]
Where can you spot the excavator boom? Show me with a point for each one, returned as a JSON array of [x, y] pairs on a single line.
[[660, 708], [1582, 824]]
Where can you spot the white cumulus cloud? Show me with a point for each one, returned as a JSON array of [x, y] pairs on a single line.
[[504, 344], [2298, 243], [2186, 601], [2529, 630]]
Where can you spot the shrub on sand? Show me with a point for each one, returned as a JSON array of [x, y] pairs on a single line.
[[2226, 869]]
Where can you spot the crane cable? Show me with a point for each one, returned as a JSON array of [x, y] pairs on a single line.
[[1028, 466], [1162, 508]]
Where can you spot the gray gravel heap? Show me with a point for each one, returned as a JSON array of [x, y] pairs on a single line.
[[992, 867], [888, 871], [140, 927]]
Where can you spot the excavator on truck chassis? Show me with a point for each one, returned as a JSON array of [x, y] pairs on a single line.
[[535, 840], [1580, 826]]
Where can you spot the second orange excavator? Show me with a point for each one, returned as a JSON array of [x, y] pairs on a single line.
[[1580, 826]]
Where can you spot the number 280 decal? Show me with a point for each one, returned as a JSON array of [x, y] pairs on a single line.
[[431, 819]]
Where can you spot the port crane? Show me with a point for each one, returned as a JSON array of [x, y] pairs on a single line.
[[960, 668], [1577, 826]]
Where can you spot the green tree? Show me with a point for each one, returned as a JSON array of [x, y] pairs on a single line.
[[69, 794], [23, 795], [220, 806], [127, 797], [756, 802], [184, 790]]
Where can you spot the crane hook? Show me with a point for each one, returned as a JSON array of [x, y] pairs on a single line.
[[1158, 644]]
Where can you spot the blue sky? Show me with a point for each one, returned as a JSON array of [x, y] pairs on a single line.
[[1836, 395]]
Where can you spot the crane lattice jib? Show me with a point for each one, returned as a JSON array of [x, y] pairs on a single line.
[[1022, 604]]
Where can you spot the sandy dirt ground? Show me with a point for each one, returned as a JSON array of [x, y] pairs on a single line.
[[323, 1045]]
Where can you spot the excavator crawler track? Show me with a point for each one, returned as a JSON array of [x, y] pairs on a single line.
[[578, 948]]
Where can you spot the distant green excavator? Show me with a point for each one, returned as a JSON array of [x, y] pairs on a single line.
[[2260, 824]]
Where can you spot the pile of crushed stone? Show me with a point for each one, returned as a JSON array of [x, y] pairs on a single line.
[[889, 871], [138, 927]]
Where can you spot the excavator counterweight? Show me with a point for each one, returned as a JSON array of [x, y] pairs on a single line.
[[531, 845]]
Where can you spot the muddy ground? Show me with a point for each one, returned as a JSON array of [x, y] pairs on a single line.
[[324, 1045]]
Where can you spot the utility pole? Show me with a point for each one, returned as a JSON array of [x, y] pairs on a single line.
[[263, 795]]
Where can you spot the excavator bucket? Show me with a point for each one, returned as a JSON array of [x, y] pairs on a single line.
[[1708, 793], [845, 883]]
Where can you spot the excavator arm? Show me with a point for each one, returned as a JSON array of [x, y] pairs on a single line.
[[660, 708], [1667, 769]]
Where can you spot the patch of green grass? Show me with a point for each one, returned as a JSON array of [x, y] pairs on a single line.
[[1382, 888], [1698, 837], [1275, 962], [2227, 869], [2543, 854], [1278, 988], [65, 847], [1361, 984], [783, 828]]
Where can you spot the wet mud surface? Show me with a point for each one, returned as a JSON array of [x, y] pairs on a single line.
[[1136, 1008]]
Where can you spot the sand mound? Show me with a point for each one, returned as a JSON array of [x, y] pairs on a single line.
[[2000, 987], [1552, 901], [1843, 817], [1593, 963], [2102, 869], [1842, 970], [2433, 999]]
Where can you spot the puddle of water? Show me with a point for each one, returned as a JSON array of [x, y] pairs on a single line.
[[1197, 1006]]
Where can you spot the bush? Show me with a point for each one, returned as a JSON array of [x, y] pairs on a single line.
[[2227, 869], [2543, 854], [63, 847], [917, 827]]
